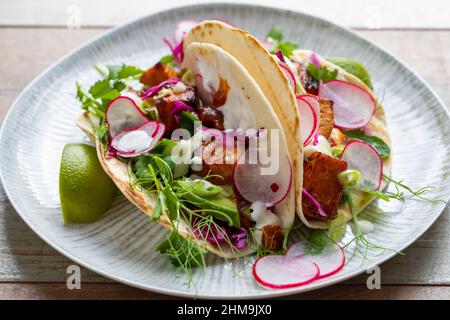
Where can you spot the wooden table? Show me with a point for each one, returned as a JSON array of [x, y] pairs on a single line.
[[32, 36]]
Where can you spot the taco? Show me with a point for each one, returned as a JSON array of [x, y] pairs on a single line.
[[340, 121], [177, 143]]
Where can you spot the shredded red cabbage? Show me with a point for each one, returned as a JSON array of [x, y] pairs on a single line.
[[314, 201], [280, 56], [153, 90], [222, 235], [176, 49], [316, 139], [178, 107]]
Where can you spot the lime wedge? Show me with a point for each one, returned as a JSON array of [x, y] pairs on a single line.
[[353, 67], [85, 190]]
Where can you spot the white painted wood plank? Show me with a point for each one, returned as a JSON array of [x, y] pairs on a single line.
[[352, 13]]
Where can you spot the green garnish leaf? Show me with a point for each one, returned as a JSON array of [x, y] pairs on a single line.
[[102, 90], [170, 203], [287, 48], [102, 133], [168, 59], [127, 72], [275, 35], [187, 120], [337, 227], [141, 167], [383, 149], [88, 102], [158, 211], [321, 73], [183, 253], [318, 240]]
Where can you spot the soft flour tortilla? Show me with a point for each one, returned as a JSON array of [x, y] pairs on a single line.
[[229, 69], [377, 127], [271, 79]]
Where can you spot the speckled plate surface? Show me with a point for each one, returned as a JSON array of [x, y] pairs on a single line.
[[121, 246]]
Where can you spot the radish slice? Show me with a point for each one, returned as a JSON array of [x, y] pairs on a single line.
[[330, 261], [314, 102], [254, 185], [123, 114], [134, 142], [363, 157], [182, 28], [282, 272], [290, 76], [353, 106], [309, 120]]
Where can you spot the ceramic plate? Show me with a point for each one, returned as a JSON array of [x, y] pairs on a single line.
[[121, 246]]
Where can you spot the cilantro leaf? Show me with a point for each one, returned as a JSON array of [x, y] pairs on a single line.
[[321, 73], [113, 71], [102, 89], [383, 149], [129, 72], [275, 34], [88, 103], [287, 48]]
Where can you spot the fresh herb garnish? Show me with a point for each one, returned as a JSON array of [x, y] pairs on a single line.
[[359, 236], [321, 73], [383, 149], [183, 253], [168, 60], [275, 36], [175, 198], [414, 193], [187, 120], [110, 87]]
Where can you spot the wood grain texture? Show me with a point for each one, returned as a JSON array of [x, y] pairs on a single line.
[[25, 258], [116, 291]]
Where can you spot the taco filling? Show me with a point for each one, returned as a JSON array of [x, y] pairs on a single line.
[[178, 139]]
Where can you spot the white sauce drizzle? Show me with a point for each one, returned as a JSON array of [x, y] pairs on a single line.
[[262, 217]]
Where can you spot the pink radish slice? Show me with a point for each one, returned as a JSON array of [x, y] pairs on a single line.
[[182, 28], [134, 142], [330, 261], [309, 120], [282, 272], [353, 106], [314, 102], [255, 185], [363, 157], [290, 76], [123, 114]]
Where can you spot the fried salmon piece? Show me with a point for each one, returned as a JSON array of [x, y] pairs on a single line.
[[165, 115], [320, 179], [219, 159], [164, 102], [272, 237], [210, 117], [157, 74], [326, 124]]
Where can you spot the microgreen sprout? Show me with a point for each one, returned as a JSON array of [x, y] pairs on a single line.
[[360, 237]]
